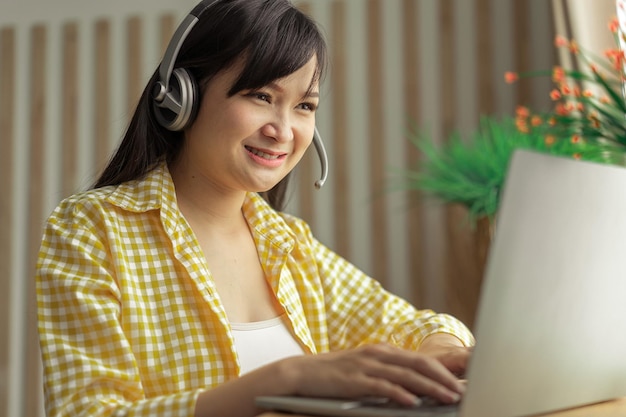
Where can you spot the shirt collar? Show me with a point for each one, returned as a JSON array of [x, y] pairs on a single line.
[[155, 191], [266, 222]]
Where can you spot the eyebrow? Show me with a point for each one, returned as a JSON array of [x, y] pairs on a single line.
[[307, 94]]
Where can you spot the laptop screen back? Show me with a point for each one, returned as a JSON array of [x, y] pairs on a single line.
[[551, 325]]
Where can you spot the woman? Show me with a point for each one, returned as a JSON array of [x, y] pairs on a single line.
[[176, 286]]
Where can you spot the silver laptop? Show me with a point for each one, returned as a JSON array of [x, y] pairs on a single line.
[[551, 323]]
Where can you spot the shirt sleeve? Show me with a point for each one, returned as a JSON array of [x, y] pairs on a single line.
[[89, 367], [359, 310]]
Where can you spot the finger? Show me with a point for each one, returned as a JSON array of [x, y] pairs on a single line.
[[456, 360], [384, 387], [422, 364], [363, 380], [435, 381], [437, 371]]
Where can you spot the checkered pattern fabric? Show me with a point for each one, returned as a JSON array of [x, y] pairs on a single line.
[[129, 319]]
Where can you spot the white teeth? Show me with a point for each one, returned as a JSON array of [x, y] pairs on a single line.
[[262, 154]]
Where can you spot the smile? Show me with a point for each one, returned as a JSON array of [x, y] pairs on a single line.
[[262, 154]]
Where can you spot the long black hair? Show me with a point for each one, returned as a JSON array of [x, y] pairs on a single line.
[[272, 36]]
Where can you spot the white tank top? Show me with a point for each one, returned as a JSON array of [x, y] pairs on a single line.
[[261, 342]]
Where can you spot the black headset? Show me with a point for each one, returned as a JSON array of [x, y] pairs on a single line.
[[176, 93]]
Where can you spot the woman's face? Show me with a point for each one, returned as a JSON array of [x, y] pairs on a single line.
[[253, 139]]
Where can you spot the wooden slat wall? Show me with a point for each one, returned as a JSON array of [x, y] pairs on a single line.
[[37, 123], [411, 103], [67, 88], [7, 133]]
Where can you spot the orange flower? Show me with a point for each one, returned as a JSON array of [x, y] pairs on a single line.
[[522, 111], [611, 54], [573, 47], [575, 139], [577, 156], [555, 94], [535, 120], [510, 77], [587, 93], [565, 89], [549, 140], [613, 25], [558, 74], [521, 125], [560, 41], [561, 110], [616, 57]]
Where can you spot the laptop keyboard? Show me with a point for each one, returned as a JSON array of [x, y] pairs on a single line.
[[429, 405]]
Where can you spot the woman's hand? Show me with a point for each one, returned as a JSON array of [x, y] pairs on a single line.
[[373, 370], [448, 350]]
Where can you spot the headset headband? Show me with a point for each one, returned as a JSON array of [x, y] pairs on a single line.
[[171, 53]]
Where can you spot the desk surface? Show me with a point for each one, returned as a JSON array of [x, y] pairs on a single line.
[[615, 408]]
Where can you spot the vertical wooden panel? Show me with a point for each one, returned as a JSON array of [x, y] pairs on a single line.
[[102, 89], [37, 134], [339, 131], [412, 104], [134, 73], [448, 91], [447, 63], [522, 60], [465, 266], [462, 282], [484, 49], [70, 109], [7, 131], [544, 53], [563, 27], [167, 24], [376, 140]]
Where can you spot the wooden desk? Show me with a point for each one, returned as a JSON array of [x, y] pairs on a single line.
[[613, 408], [616, 408]]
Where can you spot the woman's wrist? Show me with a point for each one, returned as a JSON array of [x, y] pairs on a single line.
[[447, 349], [439, 340], [236, 397], [283, 376]]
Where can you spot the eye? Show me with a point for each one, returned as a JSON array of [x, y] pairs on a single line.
[[308, 106], [260, 96]]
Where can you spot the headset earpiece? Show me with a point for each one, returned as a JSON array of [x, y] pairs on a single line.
[[180, 104], [175, 95]]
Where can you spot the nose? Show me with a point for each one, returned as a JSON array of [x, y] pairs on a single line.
[[279, 128]]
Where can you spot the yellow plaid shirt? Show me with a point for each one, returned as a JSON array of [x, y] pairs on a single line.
[[130, 321]]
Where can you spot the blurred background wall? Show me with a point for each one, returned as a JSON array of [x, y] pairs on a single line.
[[72, 70]]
